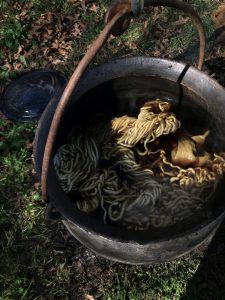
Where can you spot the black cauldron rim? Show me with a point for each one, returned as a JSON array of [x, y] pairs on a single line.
[[93, 77]]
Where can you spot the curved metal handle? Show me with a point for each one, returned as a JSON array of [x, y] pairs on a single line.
[[117, 19], [180, 5], [82, 66], [190, 12]]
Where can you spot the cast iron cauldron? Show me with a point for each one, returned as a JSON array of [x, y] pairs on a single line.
[[118, 87]]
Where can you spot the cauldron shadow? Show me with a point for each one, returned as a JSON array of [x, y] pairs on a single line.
[[209, 280]]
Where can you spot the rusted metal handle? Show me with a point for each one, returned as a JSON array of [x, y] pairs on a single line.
[[190, 12], [180, 5], [82, 66], [117, 21]]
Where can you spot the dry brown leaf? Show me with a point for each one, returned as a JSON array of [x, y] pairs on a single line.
[[50, 31], [29, 145], [218, 16], [93, 8], [46, 51], [56, 33], [180, 21], [76, 31], [17, 6], [89, 297], [57, 62], [63, 52], [8, 66], [2, 117], [37, 185], [23, 13], [18, 66], [53, 34], [55, 45]]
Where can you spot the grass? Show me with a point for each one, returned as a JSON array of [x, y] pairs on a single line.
[[154, 282], [40, 260], [205, 9]]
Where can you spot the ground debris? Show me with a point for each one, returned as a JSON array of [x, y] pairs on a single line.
[[218, 18], [51, 36], [89, 297]]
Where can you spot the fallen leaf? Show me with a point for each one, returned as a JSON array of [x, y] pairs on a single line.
[[76, 31], [93, 8], [17, 54], [180, 21], [29, 145], [37, 185], [57, 62], [218, 16], [89, 297], [2, 117]]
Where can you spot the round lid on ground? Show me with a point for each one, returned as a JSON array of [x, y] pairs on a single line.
[[27, 96]]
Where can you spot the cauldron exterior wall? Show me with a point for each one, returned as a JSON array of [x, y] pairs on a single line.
[[124, 248], [137, 254]]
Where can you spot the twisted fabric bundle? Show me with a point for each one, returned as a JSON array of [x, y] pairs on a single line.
[[103, 164], [147, 127]]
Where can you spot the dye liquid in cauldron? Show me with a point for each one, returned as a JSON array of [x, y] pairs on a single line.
[[134, 184]]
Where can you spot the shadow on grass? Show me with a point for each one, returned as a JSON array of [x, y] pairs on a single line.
[[209, 280]]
